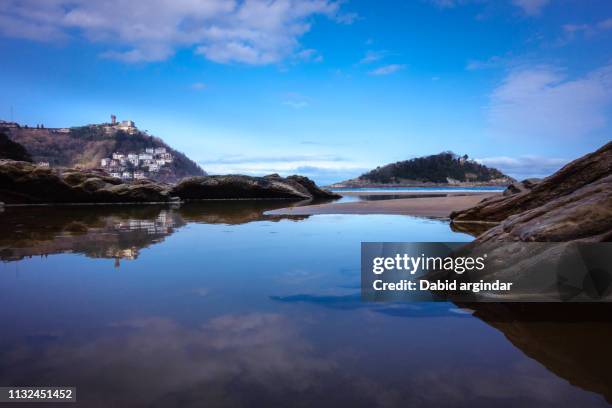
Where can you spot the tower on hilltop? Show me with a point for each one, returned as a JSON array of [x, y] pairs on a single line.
[[113, 120]]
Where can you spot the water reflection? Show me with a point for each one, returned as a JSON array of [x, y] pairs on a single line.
[[570, 340], [118, 232], [222, 306]]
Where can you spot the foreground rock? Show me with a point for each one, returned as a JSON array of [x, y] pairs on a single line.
[[575, 203], [26, 183], [572, 206], [242, 187]]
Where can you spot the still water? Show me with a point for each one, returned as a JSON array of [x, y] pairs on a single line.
[[219, 305]]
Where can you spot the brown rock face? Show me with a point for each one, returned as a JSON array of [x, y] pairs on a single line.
[[575, 203], [240, 187]]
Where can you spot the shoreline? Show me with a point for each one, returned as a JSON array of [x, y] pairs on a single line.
[[429, 207]]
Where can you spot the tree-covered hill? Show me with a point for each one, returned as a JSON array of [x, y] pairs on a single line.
[[445, 167]]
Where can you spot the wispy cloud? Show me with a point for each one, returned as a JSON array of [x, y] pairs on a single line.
[[524, 166], [239, 159], [198, 86], [249, 31], [309, 55], [528, 7], [373, 56], [324, 168], [296, 100], [543, 102], [531, 7], [492, 62], [573, 30], [387, 69]]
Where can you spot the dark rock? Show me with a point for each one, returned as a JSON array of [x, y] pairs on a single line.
[[574, 203], [25, 183], [311, 187], [240, 187]]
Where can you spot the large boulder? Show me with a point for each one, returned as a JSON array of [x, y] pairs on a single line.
[[574, 203], [242, 187], [25, 183]]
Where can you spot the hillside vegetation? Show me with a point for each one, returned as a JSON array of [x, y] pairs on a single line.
[[85, 146], [445, 167]]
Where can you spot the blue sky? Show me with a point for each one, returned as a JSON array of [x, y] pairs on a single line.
[[322, 88]]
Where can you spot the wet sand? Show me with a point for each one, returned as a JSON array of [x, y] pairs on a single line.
[[433, 207]]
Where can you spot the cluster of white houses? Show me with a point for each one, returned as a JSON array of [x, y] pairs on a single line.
[[136, 165]]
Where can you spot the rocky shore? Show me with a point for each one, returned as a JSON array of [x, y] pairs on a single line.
[[575, 203], [25, 183]]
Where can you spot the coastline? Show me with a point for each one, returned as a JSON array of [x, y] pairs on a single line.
[[430, 207]]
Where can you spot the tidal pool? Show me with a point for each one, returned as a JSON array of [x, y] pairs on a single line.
[[217, 305]]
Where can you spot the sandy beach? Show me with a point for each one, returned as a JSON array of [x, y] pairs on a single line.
[[433, 207]]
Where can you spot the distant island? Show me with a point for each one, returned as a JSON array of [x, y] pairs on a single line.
[[444, 169], [119, 148]]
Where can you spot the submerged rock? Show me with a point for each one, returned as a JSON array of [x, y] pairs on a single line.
[[240, 187], [575, 203]]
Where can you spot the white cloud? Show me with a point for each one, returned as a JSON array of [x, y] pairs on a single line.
[[525, 166], [542, 102], [387, 69], [224, 31]]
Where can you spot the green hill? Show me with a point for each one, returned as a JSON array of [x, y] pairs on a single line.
[[443, 168]]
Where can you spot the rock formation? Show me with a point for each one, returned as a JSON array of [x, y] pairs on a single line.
[[575, 203], [25, 183], [240, 187]]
